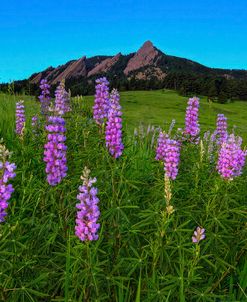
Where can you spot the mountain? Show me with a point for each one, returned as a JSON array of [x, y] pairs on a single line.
[[148, 68], [145, 64]]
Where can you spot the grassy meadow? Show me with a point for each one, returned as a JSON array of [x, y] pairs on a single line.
[[143, 254], [159, 107]]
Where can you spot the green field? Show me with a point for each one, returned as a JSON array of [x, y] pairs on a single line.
[[158, 108], [144, 253]]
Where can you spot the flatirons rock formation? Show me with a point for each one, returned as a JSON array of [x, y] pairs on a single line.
[[145, 64], [104, 66], [74, 69], [145, 56]]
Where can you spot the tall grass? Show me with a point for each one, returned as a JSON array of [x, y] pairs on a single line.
[[142, 253]]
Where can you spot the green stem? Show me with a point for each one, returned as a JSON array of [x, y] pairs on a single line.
[[67, 275]]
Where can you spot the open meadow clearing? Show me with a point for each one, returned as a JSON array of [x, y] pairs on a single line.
[[172, 229]]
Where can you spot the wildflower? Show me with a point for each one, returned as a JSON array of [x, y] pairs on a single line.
[[101, 102], [34, 120], [160, 150], [114, 126], [221, 130], [55, 150], [20, 118], [62, 100], [231, 158], [6, 173], [88, 212], [168, 151], [171, 159], [192, 128], [199, 234], [35, 124], [44, 98]]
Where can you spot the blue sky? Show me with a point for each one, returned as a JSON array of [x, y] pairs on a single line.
[[37, 34]]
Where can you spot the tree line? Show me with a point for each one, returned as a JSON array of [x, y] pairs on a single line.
[[220, 89]]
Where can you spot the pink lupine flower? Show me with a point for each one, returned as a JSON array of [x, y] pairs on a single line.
[[168, 151], [160, 150], [88, 212], [55, 150], [199, 234], [231, 158], [20, 118], [221, 130], [44, 98], [101, 101], [192, 128], [6, 173], [113, 133], [62, 100]]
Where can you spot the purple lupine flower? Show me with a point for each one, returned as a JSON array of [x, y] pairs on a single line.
[[199, 234], [6, 173], [20, 118], [55, 150], [34, 121], [192, 128], [160, 149], [88, 212], [44, 98], [113, 133], [168, 151], [62, 100], [171, 158], [35, 124], [221, 130], [231, 158], [101, 101]]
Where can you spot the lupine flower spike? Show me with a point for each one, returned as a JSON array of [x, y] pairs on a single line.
[[192, 128], [199, 234], [35, 124], [44, 98], [55, 150], [20, 118], [88, 212], [160, 150], [172, 155], [101, 102], [168, 151], [62, 100], [113, 133], [221, 130], [231, 158], [6, 173]]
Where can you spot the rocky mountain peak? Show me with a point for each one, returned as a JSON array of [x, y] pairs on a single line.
[[143, 57]]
